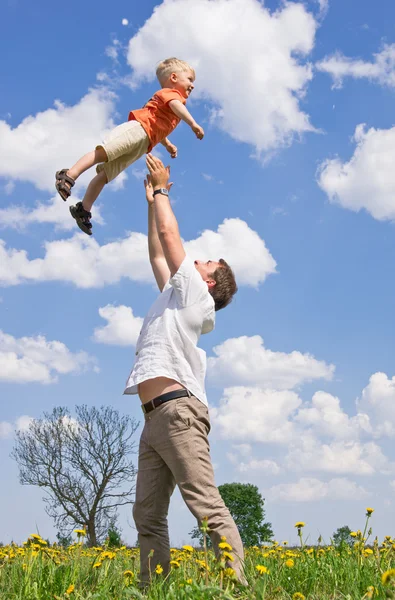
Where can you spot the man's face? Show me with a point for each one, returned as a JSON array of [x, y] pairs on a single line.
[[206, 268], [183, 82]]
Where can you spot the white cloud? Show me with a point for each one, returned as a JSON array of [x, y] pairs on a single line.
[[368, 179], [378, 403], [36, 360], [125, 22], [9, 188], [264, 466], [311, 490], [326, 417], [323, 8], [122, 327], [245, 361], [381, 70], [54, 139], [6, 430], [308, 454], [240, 246], [243, 37], [55, 212], [23, 422], [82, 261], [256, 415]]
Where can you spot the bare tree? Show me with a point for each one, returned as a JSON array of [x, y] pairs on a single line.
[[84, 464]]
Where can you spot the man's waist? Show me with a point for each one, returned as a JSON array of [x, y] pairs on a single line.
[[151, 388]]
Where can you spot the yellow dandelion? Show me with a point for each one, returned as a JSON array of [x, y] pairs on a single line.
[[369, 511], [97, 565], [353, 534], [298, 596], [262, 570], [223, 538], [228, 556], [368, 551], [80, 532], [289, 563], [35, 536], [388, 576], [230, 573], [175, 563], [299, 525], [70, 589], [225, 546], [187, 548], [188, 581], [128, 573], [159, 570], [203, 564]]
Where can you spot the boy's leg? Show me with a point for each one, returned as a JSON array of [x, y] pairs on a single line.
[[181, 440], [87, 161], [94, 157], [155, 485], [93, 190]]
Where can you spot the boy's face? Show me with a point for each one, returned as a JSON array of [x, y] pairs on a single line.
[[183, 82]]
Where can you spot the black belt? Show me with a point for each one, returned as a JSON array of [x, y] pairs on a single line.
[[155, 402]]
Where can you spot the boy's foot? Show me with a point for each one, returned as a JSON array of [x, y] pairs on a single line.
[[64, 183], [82, 217]]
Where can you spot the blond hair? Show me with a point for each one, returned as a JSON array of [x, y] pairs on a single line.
[[169, 66]]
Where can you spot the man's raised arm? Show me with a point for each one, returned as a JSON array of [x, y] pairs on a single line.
[[157, 258], [166, 222]]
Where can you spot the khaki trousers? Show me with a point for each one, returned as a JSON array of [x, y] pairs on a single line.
[[174, 450]]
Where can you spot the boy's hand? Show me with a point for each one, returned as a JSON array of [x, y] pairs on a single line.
[[149, 189], [198, 131], [172, 149], [159, 174]]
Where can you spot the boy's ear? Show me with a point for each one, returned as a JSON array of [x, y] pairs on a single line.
[[173, 77]]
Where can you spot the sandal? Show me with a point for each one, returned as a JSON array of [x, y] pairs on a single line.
[[82, 217], [61, 179]]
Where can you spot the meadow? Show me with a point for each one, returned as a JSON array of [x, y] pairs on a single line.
[[361, 571]]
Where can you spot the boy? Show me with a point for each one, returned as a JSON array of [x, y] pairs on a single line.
[[145, 128]]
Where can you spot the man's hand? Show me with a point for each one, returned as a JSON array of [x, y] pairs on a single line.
[[159, 174], [149, 190], [198, 131]]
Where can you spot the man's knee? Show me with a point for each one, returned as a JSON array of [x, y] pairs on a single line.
[[147, 521]]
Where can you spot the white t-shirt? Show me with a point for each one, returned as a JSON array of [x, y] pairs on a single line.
[[167, 345]]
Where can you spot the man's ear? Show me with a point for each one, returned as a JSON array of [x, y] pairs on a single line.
[[211, 283]]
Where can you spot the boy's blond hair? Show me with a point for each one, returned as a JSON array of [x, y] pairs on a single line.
[[171, 65]]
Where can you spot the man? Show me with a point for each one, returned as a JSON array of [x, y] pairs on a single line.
[[168, 375]]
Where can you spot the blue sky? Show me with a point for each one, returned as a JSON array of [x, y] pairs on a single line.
[[293, 184]]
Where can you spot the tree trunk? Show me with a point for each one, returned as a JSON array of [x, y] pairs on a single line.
[[91, 531]]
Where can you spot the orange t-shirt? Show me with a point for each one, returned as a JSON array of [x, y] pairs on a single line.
[[156, 117]]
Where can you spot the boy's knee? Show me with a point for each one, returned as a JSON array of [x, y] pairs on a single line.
[[100, 155]]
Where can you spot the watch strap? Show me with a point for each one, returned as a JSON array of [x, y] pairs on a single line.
[[163, 191]]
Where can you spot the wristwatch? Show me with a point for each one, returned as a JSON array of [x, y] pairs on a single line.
[[163, 191]]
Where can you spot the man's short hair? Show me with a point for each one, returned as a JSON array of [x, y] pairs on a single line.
[[225, 285], [171, 65]]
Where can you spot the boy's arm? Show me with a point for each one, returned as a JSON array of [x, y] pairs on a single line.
[[183, 113], [171, 148], [157, 258], [166, 222]]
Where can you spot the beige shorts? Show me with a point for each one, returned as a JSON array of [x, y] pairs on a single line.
[[124, 145]]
